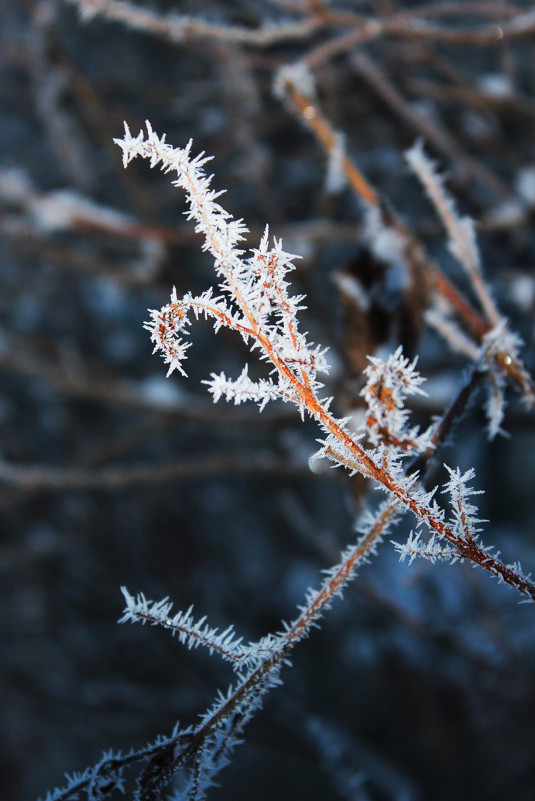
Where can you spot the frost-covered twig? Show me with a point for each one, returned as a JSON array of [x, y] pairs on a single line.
[[221, 726], [194, 633], [257, 304], [461, 230], [204, 749]]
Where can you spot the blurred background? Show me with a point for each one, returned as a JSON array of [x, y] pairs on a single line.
[[420, 684]]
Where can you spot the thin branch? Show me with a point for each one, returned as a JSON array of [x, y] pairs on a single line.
[[179, 28], [411, 25], [39, 478]]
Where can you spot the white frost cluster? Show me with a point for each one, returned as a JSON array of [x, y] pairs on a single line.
[[389, 383], [463, 522], [434, 549], [384, 426], [242, 389]]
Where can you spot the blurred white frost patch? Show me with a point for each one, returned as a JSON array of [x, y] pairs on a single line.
[[15, 186], [522, 291], [496, 85], [506, 215], [160, 392], [296, 75], [386, 243], [59, 210], [336, 178], [525, 184]]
